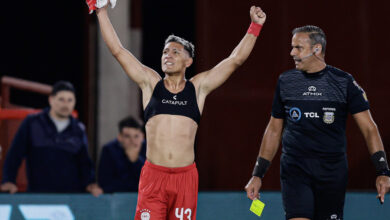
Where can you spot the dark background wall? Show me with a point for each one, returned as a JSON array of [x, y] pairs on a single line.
[[43, 42], [235, 115]]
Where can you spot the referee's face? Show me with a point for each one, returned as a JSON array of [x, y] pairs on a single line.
[[302, 51]]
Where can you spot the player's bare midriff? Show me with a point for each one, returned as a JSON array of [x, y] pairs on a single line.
[[170, 140]]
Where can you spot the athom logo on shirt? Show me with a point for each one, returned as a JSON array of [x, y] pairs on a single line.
[[312, 92]]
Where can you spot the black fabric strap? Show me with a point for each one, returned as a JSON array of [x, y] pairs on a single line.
[[261, 167], [380, 162]]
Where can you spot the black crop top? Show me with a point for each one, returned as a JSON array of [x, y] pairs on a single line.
[[164, 102]]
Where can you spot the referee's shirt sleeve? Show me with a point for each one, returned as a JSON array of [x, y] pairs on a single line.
[[277, 105], [357, 98]]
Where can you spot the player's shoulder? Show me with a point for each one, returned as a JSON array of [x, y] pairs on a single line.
[[34, 116], [112, 144], [37, 117], [31, 119], [77, 125], [80, 126], [289, 73], [338, 72]]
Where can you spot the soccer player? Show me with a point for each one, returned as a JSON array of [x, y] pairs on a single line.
[[173, 106]]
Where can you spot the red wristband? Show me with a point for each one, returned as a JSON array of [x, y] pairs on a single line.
[[91, 5], [254, 29]]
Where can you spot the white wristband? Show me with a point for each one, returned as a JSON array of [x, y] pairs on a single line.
[[102, 3]]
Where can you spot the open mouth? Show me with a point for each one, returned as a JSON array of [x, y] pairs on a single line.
[[297, 61], [168, 63]]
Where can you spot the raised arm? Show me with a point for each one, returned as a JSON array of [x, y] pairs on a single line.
[[375, 147], [141, 74], [212, 79], [268, 148]]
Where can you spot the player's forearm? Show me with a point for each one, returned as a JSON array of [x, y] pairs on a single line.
[[270, 144], [373, 139], [269, 147], [241, 53], [108, 32]]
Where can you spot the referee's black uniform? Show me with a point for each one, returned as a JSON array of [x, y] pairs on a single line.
[[314, 165]]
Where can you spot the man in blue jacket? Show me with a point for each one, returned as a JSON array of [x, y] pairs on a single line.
[[121, 162], [55, 147]]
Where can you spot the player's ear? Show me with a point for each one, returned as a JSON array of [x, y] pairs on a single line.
[[317, 49], [119, 137], [189, 62]]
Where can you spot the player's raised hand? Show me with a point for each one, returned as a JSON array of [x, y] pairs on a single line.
[[382, 186], [99, 4], [257, 15]]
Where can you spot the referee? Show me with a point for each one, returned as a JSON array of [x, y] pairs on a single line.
[[309, 114]]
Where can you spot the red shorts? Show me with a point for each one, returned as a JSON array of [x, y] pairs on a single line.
[[167, 193]]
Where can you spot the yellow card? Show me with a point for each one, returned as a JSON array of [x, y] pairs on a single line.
[[257, 207]]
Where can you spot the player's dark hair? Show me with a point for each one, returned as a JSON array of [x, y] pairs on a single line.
[[62, 86], [129, 122], [316, 35], [188, 46]]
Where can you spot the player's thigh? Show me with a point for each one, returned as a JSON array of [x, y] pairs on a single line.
[[182, 206], [298, 199], [330, 191], [149, 208], [151, 202], [329, 205], [183, 211], [297, 192]]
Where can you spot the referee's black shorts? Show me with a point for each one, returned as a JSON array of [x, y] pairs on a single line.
[[313, 188]]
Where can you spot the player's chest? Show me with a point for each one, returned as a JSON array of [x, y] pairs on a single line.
[[313, 90]]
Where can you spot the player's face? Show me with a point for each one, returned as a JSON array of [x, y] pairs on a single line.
[[302, 51], [175, 58], [62, 104], [131, 138]]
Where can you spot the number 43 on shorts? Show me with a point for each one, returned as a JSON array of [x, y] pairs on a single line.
[[180, 213]]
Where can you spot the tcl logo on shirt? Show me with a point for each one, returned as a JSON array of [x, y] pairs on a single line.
[[311, 115], [295, 114]]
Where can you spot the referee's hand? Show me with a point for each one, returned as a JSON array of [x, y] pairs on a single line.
[[382, 186], [253, 187]]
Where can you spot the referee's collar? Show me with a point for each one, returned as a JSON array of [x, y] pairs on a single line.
[[319, 73]]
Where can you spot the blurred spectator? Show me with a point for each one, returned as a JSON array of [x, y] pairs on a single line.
[[55, 146], [120, 162]]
